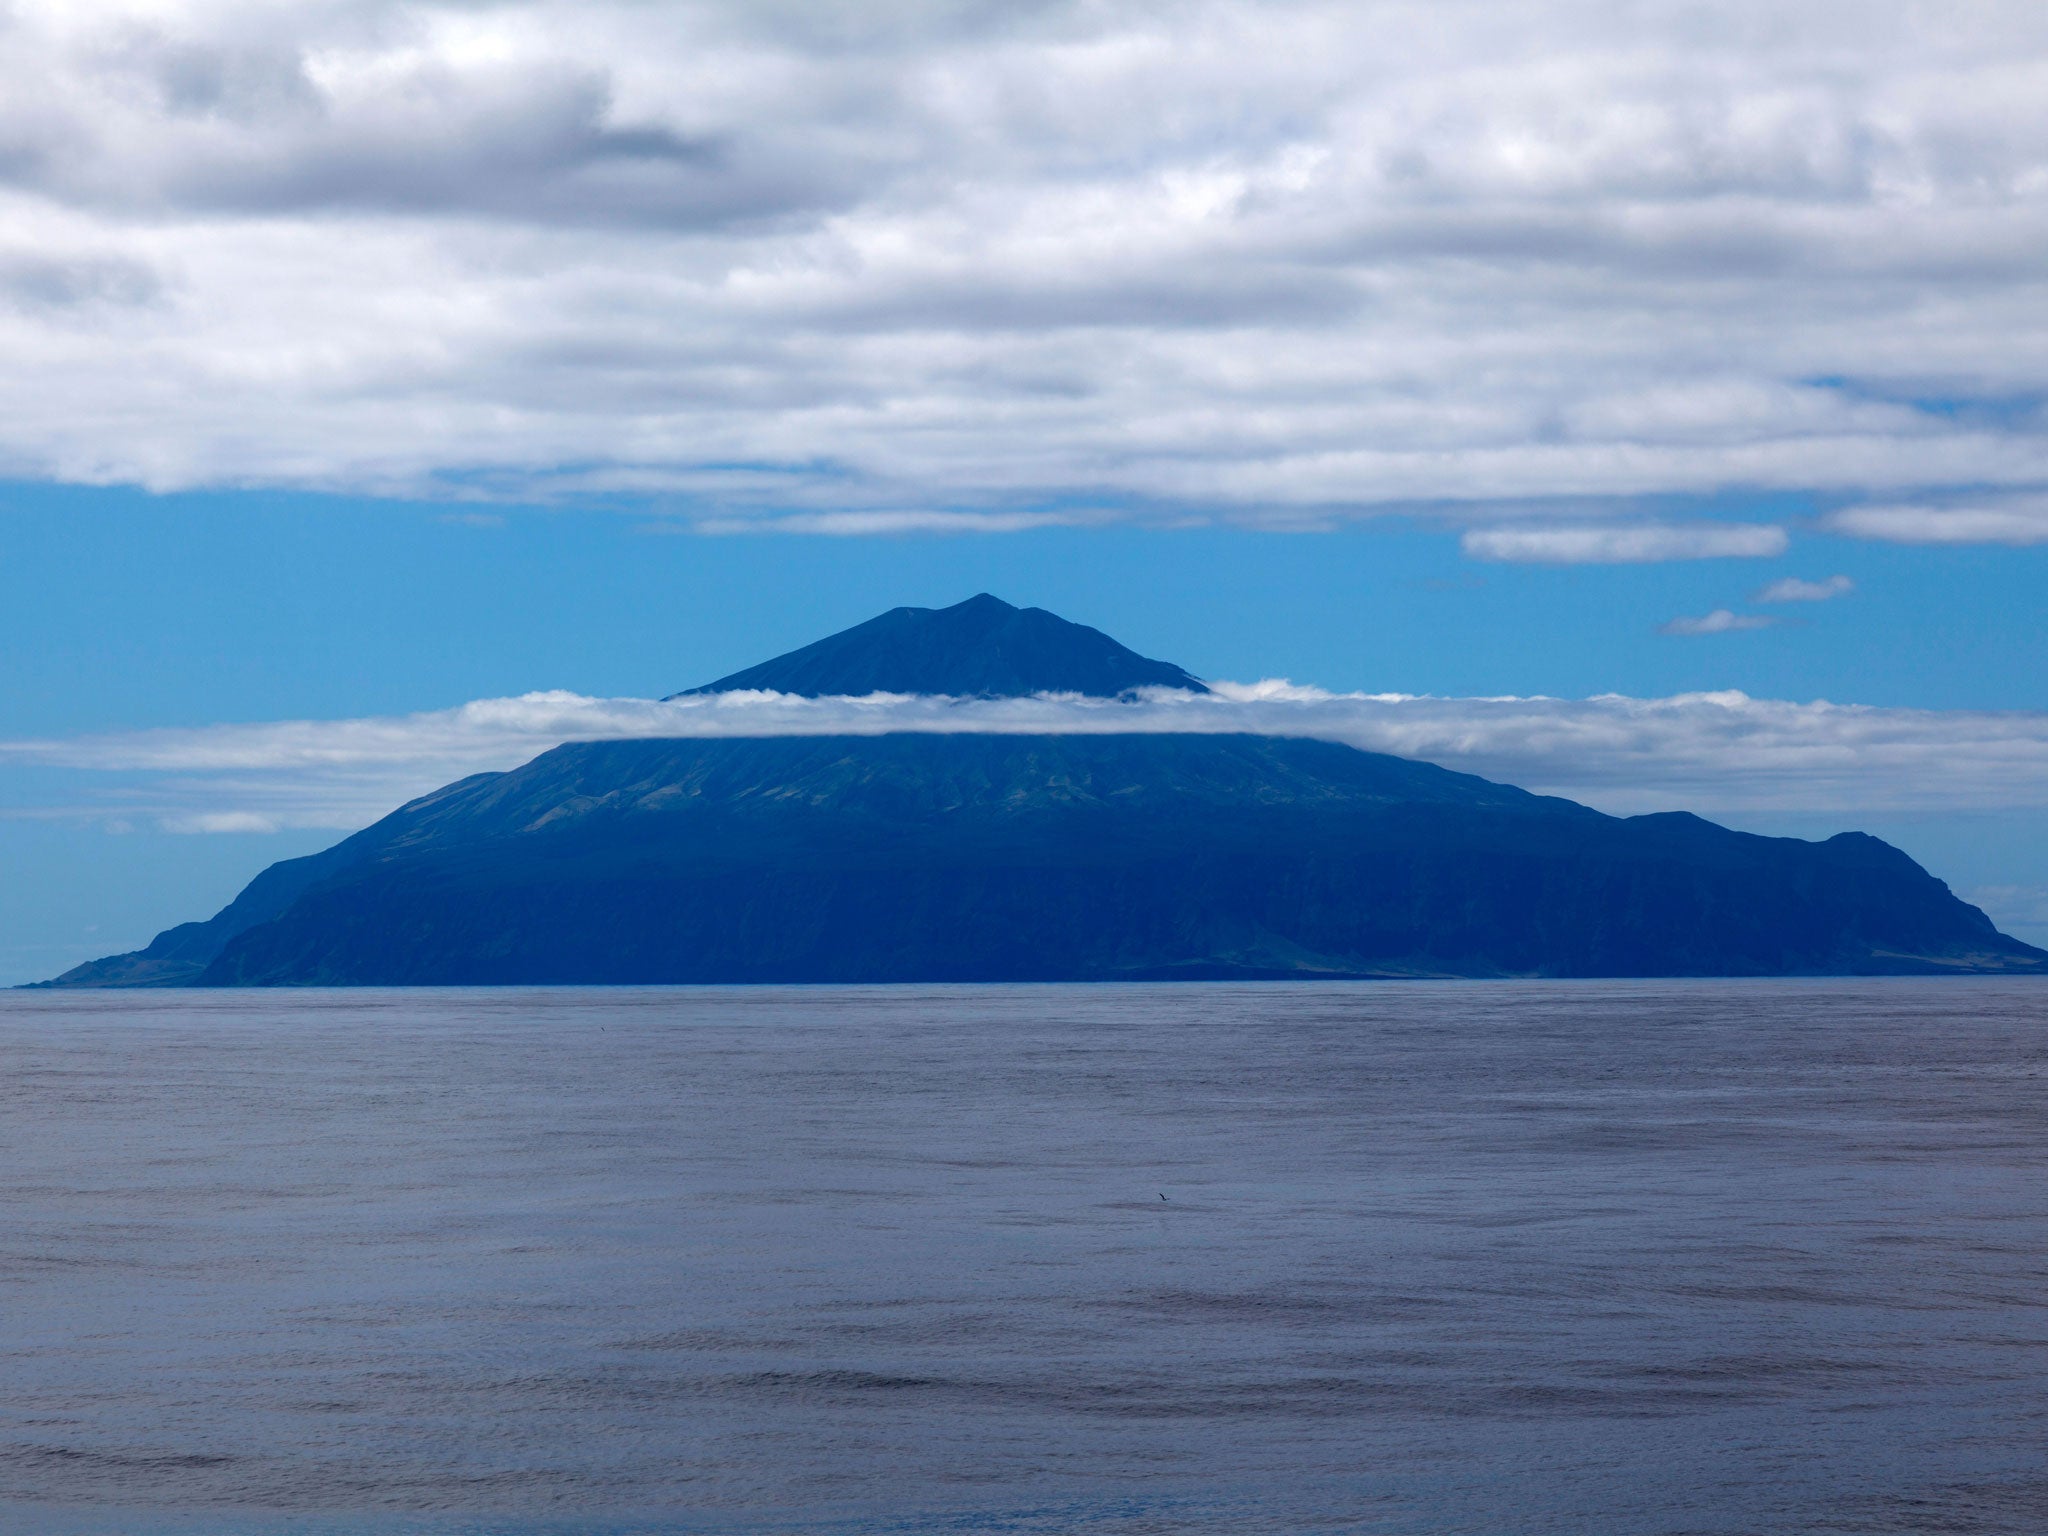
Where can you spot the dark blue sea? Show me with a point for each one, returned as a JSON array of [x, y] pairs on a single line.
[[1488, 1258]]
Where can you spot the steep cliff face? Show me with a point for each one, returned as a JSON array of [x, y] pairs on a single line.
[[175, 957], [932, 857]]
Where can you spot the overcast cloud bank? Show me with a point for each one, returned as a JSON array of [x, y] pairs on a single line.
[[879, 265], [1709, 752]]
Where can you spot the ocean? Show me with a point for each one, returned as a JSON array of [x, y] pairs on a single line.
[[1508, 1259]]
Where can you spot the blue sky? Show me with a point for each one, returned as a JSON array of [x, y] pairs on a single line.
[[368, 358], [121, 610]]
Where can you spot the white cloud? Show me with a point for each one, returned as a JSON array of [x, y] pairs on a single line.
[[860, 524], [1710, 752], [1626, 544], [1791, 589], [220, 821], [2009, 523], [1237, 258], [1720, 622]]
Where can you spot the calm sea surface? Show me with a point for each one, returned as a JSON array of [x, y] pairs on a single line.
[[1624, 1258]]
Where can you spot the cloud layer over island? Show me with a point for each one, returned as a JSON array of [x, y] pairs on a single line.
[[1713, 752]]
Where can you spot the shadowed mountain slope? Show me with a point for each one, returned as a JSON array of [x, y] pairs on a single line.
[[980, 648], [984, 857]]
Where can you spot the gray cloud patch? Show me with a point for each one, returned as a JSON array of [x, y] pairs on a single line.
[[534, 145], [43, 283]]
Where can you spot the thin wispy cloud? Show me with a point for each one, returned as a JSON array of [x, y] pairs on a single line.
[[1723, 752], [1721, 621], [220, 822], [870, 524], [1289, 260], [1791, 589], [1626, 544]]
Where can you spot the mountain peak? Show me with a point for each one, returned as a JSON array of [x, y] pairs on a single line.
[[982, 648]]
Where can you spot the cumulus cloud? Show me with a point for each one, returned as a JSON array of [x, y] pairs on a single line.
[[1243, 259], [1626, 544], [1791, 589], [1720, 622], [2017, 522], [1710, 752]]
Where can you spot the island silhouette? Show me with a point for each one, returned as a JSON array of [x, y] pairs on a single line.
[[986, 857]]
